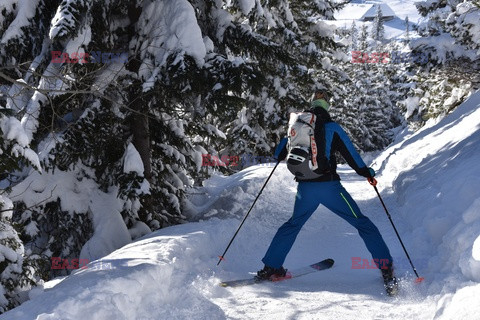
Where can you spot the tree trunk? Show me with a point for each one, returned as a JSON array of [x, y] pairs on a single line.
[[141, 141]]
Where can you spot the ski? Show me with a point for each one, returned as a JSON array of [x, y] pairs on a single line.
[[322, 265]]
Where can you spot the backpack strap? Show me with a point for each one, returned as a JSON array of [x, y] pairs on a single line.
[[305, 122]]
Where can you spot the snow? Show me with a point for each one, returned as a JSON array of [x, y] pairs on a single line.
[[445, 47], [111, 72], [470, 10], [411, 104], [405, 8], [30, 119], [110, 232], [25, 11], [209, 45], [18, 96], [442, 166], [427, 180], [57, 22], [13, 130], [175, 27], [132, 161], [7, 4], [77, 44], [5, 204], [246, 6]]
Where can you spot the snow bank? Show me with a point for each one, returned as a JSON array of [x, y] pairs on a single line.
[[153, 278], [171, 273], [433, 176], [231, 197]]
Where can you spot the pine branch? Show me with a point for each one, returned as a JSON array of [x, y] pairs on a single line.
[[34, 205]]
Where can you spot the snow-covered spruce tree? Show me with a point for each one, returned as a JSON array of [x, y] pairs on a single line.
[[376, 111], [292, 49], [435, 93], [450, 72], [399, 79], [378, 29], [17, 274], [164, 82], [343, 110], [407, 30], [353, 37], [50, 226], [363, 44], [84, 118], [369, 113], [456, 20], [19, 37]]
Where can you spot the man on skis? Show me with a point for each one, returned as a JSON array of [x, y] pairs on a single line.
[[321, 185]]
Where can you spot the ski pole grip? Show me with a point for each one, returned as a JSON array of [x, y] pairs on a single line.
[[372, 181]]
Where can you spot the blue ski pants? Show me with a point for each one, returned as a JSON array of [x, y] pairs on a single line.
[[333, 196]]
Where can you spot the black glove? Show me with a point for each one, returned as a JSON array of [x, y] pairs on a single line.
[[366, 172]]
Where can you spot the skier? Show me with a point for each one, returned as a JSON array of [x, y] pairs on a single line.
[[326, 189]]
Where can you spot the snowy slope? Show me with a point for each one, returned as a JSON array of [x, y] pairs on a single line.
[[429, 182]]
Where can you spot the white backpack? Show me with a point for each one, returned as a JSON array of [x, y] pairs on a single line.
[[302, 148]]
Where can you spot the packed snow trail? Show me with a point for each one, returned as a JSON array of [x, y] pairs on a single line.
[[429, 183], [341, 292], [172, 273]]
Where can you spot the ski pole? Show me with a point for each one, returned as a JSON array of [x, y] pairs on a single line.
[[245, 218], [373, 182]]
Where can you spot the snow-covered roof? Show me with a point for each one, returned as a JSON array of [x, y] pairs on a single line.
[[386, 11], [363, 11]]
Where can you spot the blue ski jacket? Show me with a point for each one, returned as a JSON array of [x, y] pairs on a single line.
[[334, 139], [337, 140]]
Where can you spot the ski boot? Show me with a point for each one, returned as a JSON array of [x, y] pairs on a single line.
[[269, 273], [390, 282]]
